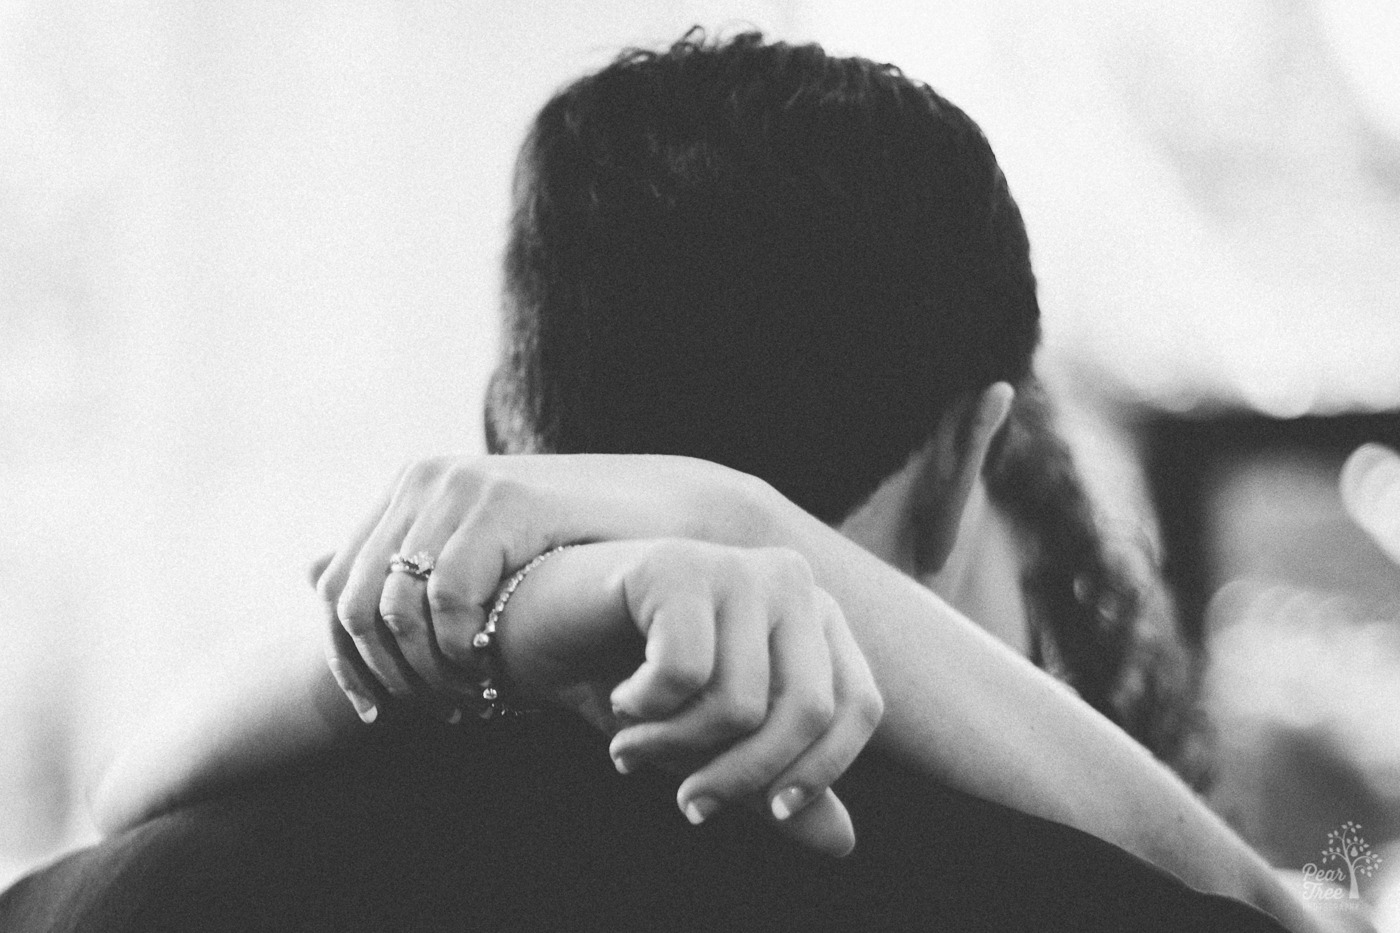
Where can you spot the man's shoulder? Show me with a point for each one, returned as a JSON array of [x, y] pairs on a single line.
[[528, 827]]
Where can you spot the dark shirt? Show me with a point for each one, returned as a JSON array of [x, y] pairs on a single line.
[[528, 827]]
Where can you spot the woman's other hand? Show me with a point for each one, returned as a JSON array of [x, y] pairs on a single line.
[[729, 658], [749, 681]]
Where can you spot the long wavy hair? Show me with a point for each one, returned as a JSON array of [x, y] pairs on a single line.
[[1102, 618]]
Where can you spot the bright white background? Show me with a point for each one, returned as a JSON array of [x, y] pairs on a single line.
[[248, 266]]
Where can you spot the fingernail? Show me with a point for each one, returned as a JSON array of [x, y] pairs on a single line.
[[623, 764], [392, 624], [396, 685], [787, 802], [365, 707], [700, 809]]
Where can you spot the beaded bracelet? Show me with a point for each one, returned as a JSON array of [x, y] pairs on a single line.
[[484, 641]]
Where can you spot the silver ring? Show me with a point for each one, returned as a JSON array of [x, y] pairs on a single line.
[[418, 566]]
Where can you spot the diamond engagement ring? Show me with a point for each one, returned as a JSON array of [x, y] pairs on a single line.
[[419, 565]]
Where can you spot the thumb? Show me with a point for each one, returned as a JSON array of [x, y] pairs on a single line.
[[824, 825], [318, 567]]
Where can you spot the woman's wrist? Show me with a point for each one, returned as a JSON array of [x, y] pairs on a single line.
[[496, 698], [740, 510], [566, 623]]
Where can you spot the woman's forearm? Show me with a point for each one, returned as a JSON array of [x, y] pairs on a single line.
[[966, 710], [277, 705], [961, 707]]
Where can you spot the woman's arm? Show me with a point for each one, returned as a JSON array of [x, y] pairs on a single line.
[[966, 710], [961, 707], [670, 630], [274, 706]]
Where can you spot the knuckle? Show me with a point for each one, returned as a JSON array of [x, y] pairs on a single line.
[[678, 565], [739, 569], [461, 474], [500, 494], [865, 710], [788, 568], [682, 675], [743, 715], [418, 474], [814, 713], [869, 709], [431, 475], [443, 598], [356, 619]]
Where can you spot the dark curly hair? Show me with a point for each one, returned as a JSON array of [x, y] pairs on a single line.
[[792, 264], [1102, 622]]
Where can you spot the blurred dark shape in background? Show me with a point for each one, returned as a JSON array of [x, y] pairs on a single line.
[[1298, 610]]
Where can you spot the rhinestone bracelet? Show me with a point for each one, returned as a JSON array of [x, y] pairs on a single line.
[[484, 641]]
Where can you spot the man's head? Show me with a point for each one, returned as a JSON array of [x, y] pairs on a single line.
[[760, 255], [810, 269]]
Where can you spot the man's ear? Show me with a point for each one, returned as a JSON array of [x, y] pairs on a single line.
[[952, 462]]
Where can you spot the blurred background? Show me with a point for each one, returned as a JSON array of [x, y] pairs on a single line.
[[248, 266]]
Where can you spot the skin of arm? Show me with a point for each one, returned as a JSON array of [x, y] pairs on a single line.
[[574, 639], [960, 707], [966, 710], [275, 706]]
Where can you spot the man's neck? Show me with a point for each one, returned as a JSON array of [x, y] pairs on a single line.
[[982, 576]]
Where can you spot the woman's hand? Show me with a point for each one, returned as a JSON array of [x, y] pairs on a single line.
[[776, 729], [748, 668], [728, 665], [480, 519]]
